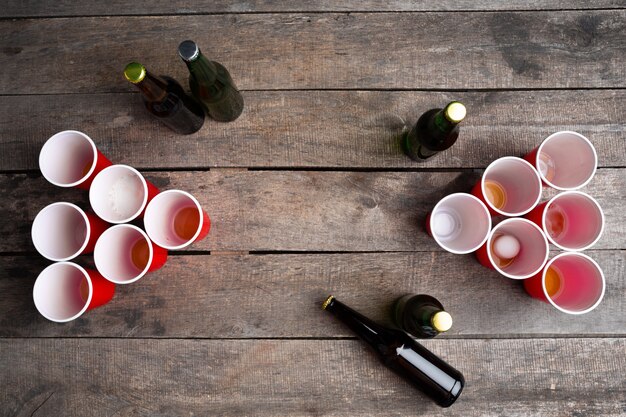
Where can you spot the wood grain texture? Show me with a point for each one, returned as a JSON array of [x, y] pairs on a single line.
[[268, 296], [544, 377], [35, 8], [321, 51], [339, 129], [303, 210]]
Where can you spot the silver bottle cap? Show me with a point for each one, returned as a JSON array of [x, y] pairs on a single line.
[[188, 50]]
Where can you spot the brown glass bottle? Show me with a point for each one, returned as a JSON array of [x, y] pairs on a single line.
[[435, 131], [211, 84], [401, 353], [421, 315], [166, 100]]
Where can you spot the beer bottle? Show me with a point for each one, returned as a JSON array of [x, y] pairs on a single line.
[[435, 131], [166, 100], [421, 315], [401, 353], [211, 84]]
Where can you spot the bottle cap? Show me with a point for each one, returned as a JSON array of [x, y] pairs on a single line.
[[455, 112], [328, 300], [441, 321], [134, 72], [188, 50]]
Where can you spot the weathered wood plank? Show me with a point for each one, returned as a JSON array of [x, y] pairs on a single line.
[[303, 210], [315, 129], [286, 51], [35, 8], [544, 377], [267, 296]]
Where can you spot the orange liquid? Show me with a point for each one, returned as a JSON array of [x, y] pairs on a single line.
[[499, 261], [555, 221], [495, 194], [186, 222], [84, 290], [87, 168], [553, 282], [140, 253]]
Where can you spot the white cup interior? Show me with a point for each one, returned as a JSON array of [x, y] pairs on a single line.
[[118, 194], [579, 219], [161, 214], [533, 248], [582, 283], [62, 292], [460, 223], [60, 231], [113, 254], [519, 180], [68, 158], [566, 160]]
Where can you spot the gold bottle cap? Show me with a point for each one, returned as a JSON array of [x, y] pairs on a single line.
[[441, 321], [134, 72], [328, 300], [455, 112]]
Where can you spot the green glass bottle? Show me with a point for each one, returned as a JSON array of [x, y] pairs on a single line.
[[211, 84], [435, 131], [166, 100], [421, 315]]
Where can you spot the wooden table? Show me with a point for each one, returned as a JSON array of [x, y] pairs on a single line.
[[310, 194]]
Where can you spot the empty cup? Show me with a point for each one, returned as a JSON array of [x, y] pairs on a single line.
[[459, 223], [71, 159], [565, 160]]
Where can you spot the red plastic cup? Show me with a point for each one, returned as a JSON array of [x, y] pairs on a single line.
[[565, 160], [509, 186], [120, 193], [571, 281], [64, 291], [572, 220], [174, 220], [459, 223], [62, 231], [71, 159], [124, 254], [516, 248]]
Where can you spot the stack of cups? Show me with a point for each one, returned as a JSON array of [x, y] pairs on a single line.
[[517, 247], [123, 253]]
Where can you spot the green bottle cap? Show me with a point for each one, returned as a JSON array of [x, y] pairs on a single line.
[[188, 50], [134, 72], [455, 112]]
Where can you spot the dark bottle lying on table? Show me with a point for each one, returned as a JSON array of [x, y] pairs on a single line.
[[421, 315], [211, 84], [166, 100], [400, 352], [435, 131]]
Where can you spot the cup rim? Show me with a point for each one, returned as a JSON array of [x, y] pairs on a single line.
[[112, 229], [87, 235], [497, 210], [565, 193], [593, 150], [155, 200], [144, 199], [500, 271], [487, 215], [89, 295], [545, 292], [84, 177]]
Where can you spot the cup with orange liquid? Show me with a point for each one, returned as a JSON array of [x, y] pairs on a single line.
[[174, 219], [459, 223], [124, 254], [64, 291], [119, 194], [61, 231], [571, 281], [565, 160], [572, 220], [509, 186], [516, 248], [71, 159]]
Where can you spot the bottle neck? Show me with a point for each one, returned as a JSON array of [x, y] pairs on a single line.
[[441, 122], [202, 69], [368, 330], [152, 87]]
